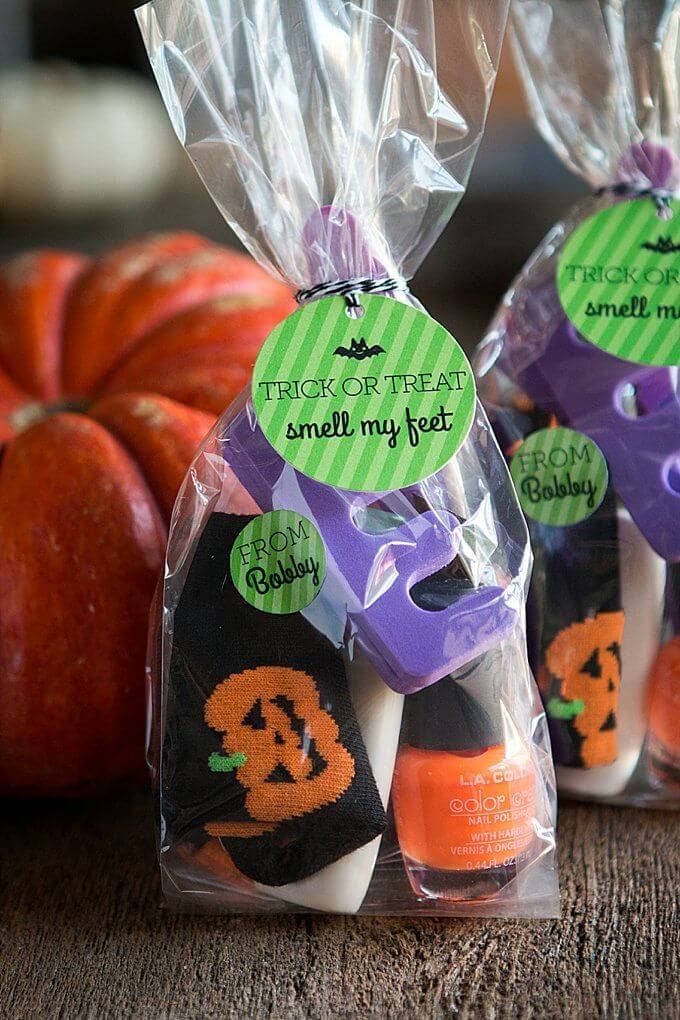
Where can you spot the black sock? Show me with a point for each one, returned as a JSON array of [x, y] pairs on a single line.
[[575, 618], [261, 745]]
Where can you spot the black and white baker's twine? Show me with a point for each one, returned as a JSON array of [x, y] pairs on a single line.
[[351, 289], [662, 196]]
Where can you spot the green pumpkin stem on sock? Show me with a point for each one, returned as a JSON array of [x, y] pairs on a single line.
[[222, 763], [565, 709]]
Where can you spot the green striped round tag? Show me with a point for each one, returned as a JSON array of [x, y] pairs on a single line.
[[278, 562], [560, 475], [368, 404], [619, 281]]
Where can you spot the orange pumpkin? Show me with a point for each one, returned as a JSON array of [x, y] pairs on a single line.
[[111, 372]]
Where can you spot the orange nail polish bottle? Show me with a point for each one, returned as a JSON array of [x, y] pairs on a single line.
[[664, 715], [464, 790]]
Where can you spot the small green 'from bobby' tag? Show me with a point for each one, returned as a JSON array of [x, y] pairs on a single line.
[[278, 562], [560, 475], [367, 404], [619, 281]]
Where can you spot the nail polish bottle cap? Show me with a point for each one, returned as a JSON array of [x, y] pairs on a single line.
[[462, 712]]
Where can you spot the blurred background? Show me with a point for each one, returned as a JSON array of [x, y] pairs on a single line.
[[87, 159]]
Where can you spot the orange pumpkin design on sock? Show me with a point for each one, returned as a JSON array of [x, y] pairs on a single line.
[[285, 746], [580, 683]]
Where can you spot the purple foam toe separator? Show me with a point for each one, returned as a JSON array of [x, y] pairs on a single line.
[[631, 411], [371, 575], [409, 647]]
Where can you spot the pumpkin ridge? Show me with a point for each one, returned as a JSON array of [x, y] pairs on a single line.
[[122, 442], [106, 284], [12, 400], [190, 348], [165, 288], [162, 470], [244, 290], [130, 454], [132, 353], [61, 331], [42, 280]]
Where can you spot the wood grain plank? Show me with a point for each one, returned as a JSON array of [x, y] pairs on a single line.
[[82, 935]]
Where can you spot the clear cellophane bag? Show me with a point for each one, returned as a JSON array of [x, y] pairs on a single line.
[[602, 82], [336, 138]]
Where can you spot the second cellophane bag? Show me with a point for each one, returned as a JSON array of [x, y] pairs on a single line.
[[580, 364]]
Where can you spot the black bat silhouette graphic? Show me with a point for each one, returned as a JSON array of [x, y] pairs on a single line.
[[359, 351], [664, 246]]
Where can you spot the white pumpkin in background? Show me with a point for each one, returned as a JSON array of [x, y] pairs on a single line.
[[77, 141]]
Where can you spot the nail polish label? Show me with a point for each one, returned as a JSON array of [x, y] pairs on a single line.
[[618, 279], [368, 404], [461, 814], [560, 475], [278, 562]]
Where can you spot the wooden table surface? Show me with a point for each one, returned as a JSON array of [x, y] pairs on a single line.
[[82, 935]]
